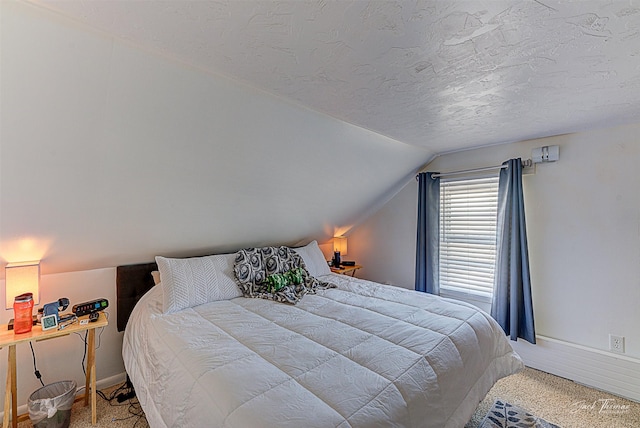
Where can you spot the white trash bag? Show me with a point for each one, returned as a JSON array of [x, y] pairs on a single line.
[[50, 406]]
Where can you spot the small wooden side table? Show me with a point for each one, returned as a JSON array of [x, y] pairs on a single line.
[[8, 338], [346, 269]]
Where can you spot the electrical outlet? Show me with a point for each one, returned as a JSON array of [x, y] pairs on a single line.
[[616, 343]]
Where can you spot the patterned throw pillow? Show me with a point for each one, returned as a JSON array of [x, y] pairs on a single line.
[[254, 266]]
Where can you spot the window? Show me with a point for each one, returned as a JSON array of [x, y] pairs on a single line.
[[468, 216]]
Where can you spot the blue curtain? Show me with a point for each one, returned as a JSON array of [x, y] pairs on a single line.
[[512, 306], [428, 240]]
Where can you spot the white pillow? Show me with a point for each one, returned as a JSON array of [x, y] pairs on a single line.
[[194, 281], [314, 259]]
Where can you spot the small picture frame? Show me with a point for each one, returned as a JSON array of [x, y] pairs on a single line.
[[49, 322]]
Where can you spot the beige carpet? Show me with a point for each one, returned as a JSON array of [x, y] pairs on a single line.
[[557, 400], [561, 401]]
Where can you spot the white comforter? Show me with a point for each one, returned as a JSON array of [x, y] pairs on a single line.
[[361, 355]]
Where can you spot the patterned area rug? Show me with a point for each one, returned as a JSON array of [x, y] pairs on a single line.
[[505, 415]]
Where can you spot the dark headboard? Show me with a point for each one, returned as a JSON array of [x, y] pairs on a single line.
[[132, 282]]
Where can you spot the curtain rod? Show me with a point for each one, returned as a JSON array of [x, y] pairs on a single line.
[[525, 163]]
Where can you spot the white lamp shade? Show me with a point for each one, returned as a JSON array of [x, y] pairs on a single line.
[[340, 244], [22, 278]]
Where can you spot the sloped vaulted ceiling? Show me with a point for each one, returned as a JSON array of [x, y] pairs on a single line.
[[440, 74]]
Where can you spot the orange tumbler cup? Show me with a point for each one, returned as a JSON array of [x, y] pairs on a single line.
[[23, 313]]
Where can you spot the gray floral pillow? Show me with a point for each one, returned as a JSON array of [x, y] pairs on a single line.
[[254, 265]]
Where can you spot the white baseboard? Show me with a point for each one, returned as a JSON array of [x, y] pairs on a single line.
[[614, 373], [100, 384]]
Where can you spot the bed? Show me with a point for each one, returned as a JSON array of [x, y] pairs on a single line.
[[361, 354]]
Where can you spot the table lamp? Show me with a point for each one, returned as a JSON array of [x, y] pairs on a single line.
[[23, 277]]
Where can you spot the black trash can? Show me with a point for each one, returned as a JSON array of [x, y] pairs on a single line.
[[50, 406]]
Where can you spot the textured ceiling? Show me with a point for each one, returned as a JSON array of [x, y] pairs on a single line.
[[443, 75]]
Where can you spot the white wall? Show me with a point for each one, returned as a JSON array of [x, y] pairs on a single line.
[[110, 155], [385, 242], [583, 224]]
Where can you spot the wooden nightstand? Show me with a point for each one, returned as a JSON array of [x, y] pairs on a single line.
[[346, 269], [10, 339]]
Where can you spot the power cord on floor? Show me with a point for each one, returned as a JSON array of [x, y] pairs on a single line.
[[125, 395], [121, 394], [135, 411], [124, 392]]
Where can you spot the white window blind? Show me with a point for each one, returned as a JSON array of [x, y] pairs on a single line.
[[468, 215]]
